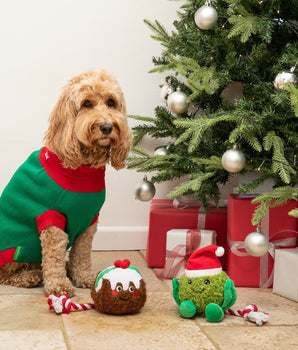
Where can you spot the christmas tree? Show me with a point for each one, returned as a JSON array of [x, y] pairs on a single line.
[[231, 86]]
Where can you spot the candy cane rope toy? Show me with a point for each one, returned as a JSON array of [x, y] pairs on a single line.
[[250, 313], [62, 304]]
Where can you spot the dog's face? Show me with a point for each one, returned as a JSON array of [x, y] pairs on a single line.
[[89, 124]]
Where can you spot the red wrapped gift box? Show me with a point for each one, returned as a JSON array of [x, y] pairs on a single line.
[[246, 270], [164, 217]]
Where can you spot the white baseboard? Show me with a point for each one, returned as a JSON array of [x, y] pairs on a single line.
[[120, 238]]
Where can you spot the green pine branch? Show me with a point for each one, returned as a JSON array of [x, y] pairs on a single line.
[[197, 128], [193, 184], [279, 196], [280, 165], [293, 92], [161, 34], [246, 24]]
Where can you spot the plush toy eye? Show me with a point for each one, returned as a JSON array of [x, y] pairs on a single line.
[[87, 104], [207, 282], [189, 281], [118, 289], [111, 102], [131, 289]]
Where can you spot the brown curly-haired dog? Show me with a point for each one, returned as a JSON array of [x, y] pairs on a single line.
[[60, 189]]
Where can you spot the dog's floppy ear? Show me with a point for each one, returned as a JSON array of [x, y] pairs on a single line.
[[59, 138], [120, 151]]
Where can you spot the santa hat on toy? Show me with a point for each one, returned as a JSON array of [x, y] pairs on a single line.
[[204, 262]]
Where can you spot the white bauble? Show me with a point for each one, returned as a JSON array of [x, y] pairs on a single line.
[[206, 17], [161, 151], [177, 102], [284, 78], [145, 190], [233, 160], [256, 243]]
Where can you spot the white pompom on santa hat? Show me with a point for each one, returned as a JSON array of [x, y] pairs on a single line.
[[204, 262]]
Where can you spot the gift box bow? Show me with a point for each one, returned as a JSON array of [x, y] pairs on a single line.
[[175, 259], [235, 246]]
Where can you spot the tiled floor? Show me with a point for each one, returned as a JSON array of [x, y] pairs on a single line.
[[27, 324]]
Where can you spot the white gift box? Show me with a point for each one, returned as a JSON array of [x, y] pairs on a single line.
[[285, 282], [176, 240]]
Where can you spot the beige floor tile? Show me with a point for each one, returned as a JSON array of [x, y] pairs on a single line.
[[157, 326], [14, 290], [26, 312], [252, 338], [26, 322], [32, 340]]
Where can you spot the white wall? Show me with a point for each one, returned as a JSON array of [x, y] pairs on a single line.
[[43, 44]]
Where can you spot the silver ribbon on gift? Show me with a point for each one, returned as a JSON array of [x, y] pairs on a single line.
[[235, 246]]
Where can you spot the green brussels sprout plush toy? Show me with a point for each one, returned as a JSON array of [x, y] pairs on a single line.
[[204, 288]]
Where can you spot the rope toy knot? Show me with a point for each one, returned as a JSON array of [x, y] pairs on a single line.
[[251, 314], [62, 304]]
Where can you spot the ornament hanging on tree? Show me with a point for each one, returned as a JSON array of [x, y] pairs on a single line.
[[162, 151], [177, 102], [206, 16], [284, 78], [165, 92], [233, 160], [256, 243], [145, 190]]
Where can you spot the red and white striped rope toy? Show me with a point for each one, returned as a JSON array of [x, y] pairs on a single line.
[[250, 313], [62, 304]]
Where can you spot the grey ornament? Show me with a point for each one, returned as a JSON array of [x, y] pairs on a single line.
[[206, 16], [177, 102], [284, 78], [145, 190], [256, 243], [161, 151], [233, 160]]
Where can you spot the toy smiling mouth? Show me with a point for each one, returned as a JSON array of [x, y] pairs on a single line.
[[198, 290], [123, 298]]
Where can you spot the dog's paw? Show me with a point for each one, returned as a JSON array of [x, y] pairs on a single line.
[[58, 287], [83, 280]]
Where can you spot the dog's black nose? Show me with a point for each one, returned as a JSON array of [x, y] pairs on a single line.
[[106, 129]]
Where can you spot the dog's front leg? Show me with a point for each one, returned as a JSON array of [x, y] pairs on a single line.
[[54, 242], [79, 266]]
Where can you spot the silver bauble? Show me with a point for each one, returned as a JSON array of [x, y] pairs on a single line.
[[177, 102], [256, 243], [165, 92], [233, 160], [206, 17], [283, 78], [145, 190], [161, 151]]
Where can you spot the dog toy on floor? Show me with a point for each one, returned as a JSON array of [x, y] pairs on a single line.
[[205, 288], [119, 290]]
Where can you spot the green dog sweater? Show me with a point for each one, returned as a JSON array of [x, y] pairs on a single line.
[[42, 193]]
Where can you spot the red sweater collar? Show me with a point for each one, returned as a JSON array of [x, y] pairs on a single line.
[[82, 179]]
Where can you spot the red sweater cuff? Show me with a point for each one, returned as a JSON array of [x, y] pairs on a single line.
[[51, 217]]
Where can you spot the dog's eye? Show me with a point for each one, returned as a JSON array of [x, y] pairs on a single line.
[[111, 102], [87, 104]]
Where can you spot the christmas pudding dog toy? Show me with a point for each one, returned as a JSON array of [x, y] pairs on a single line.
[[118, 290], [205, 288]]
